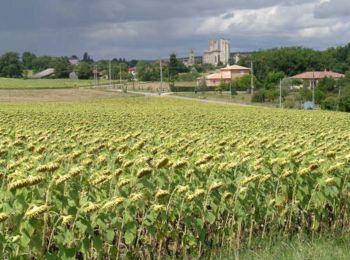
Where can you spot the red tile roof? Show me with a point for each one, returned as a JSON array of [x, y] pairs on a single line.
[[318, 75]]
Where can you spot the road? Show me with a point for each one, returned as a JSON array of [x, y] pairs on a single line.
[[170, 95]]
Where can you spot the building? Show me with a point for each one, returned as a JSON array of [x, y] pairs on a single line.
[[226, 74], [74, 60], [191, 59], [44, 74], [218, 52], [313, 77], [237, 56], [132, 72]]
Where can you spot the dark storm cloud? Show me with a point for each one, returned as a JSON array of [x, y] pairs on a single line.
[[154, 28]]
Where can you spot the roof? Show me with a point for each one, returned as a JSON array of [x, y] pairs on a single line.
[[235, 67], [73, 61], [219, 76], [44, 73], [318, 75]]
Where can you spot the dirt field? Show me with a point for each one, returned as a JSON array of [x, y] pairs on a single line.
[[36, 95]]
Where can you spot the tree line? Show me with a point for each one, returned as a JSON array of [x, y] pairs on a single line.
[[273, 65], [13, 65]]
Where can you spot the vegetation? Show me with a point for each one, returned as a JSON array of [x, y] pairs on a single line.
[[211, 177]]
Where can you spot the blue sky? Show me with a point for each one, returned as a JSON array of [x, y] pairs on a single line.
[[151, 29]]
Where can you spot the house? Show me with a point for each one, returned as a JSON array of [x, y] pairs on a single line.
[[226, 74], [74, 60], [313, 77], [218, 52], [132, 71]]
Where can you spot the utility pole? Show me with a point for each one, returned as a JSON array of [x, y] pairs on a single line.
[[313, 89], [339, 93], [280, 93], [95, 75], [120, 73], [110, 74], [252, 78], [161, 75]]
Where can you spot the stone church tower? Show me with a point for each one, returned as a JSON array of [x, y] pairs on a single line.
[[219, 51]]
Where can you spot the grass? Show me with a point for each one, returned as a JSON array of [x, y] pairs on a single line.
[[300, 248], [7, 83]]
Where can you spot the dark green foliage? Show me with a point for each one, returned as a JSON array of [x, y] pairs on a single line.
[[295, 60], [10, 65], [28, 60], [147, 71], [330, 103], [176, 66], [327, 85], [244, 83], [41, 63], [84, 70], [87, 58], [61, 66]]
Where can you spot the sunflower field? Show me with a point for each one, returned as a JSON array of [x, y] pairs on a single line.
[[155, 177]]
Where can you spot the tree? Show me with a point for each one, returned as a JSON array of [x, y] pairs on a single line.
[[10, 65], [28, 59], [176, 66], [62, 67], [84, 70], [273, 78], [41, 63], [327, 85], [244, 83], [87, 58], [147, 71]]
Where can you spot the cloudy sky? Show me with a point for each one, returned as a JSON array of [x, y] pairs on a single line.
[[150, 29]]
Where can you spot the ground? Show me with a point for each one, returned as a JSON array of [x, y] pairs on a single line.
[[40, 95], [6, 83]]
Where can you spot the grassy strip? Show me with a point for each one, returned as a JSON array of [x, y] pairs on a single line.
[[298, 248]]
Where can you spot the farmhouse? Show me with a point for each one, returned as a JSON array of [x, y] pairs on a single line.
[[226, 74], [314, 76]]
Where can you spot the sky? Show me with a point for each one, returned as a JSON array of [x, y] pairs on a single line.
[[152, 29]]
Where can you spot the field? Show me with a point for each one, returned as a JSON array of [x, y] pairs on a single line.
[[147, 177], [54, 95], [6, 83]]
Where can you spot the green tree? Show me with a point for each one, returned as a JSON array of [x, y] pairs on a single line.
[[176, 66], [327, 85], [87, 58], [10, 65], [147, 71], [244, 83], [62, 67], [28, 59], [41, 63], [84, 70]]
